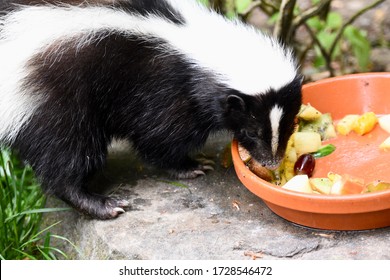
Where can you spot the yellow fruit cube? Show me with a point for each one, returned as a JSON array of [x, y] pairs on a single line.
[[365, 123], [309, 113], [344, 126], [306, 142]]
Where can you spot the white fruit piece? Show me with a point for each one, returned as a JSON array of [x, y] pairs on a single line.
[[321, 185], [306, 142], [384, 123], [385, 145], [299, 183]]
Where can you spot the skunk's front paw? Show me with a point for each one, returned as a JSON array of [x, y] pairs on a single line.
[[200, 167], [101, 207]]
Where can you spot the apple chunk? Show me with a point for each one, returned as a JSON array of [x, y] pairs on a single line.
[[385, 145], [298, 183], [321, 185], [306, 142], [384, 122]]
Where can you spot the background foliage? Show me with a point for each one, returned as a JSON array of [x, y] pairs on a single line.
[[331, 42]]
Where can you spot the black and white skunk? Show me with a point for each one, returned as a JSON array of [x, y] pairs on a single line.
[[164, 74]]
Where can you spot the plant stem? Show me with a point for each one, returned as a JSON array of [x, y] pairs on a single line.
[[309, 13], [283, 26], [323, 51], [268, 8], [350, 21]]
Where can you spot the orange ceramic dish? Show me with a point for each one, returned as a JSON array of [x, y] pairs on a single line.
[[355, 155]]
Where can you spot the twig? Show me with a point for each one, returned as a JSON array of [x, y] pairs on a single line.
[[303, 53], [268, 8], [350, 21], [309, 13], [323, 51], [283, 24]]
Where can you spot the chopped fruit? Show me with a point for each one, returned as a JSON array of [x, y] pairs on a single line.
[[321, 185], [299, 183], [384, 123], [323, 125], [377, 186], [345, 125], [305, 146], [291, 154], [329, 132], [365, 123], [347, 184], [306, 142], [385, 145], [309, 113], [305, 165]]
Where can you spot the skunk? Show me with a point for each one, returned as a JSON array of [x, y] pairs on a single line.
[[163, 74]]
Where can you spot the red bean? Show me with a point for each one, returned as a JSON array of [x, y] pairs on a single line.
[[305, 165]]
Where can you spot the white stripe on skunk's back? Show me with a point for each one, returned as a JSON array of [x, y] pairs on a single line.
[[238, 56], [245, 58]]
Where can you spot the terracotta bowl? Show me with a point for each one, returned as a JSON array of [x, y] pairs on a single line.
[[355, 155]]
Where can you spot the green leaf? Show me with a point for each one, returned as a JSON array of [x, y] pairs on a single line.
[[242, 5], [334, 21], [273, 19], [319, 60], [326, 39], [360, 46], [324, 151], [315, 23]]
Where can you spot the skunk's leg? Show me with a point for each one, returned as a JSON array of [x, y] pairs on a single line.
[[69, 183], [69, 180], [190, 168], [65, 160], [174, 158], [91, 204]]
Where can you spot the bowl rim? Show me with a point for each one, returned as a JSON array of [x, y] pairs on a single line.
[[316, 203], [348, 77]]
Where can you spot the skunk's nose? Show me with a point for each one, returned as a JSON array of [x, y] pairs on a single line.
[[272, 167], [272, 164]]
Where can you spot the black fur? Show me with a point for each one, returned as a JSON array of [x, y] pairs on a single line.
[[249, 119], [158, 102], [122, 87]]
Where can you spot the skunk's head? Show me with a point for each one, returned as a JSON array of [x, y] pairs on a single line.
[[263, 123]]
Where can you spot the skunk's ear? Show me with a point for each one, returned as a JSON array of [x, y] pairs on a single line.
[[235, 103]]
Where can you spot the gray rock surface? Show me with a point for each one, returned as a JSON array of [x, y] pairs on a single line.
[[212, 217]]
